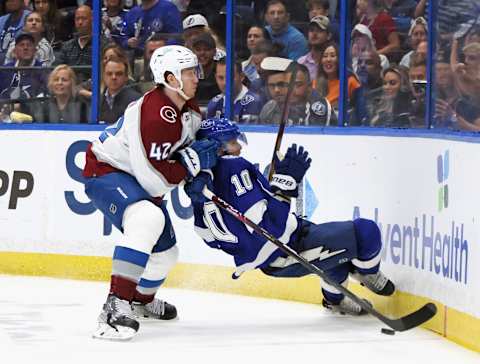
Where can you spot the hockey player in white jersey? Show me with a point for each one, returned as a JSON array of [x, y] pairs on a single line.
[[130, 167], [338, 248]]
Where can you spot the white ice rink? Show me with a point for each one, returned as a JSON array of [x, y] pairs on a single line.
[[46, 320]]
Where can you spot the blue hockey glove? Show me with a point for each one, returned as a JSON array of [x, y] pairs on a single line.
[[194, 188], [290, 171], [201, 154]]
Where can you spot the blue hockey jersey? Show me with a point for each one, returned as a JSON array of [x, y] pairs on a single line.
[[240, 183], [246, 106], [163, 17]]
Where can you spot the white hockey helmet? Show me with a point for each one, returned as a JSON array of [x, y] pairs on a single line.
[[174, 59]]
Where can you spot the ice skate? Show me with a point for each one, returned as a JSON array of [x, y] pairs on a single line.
[[155, 310], [345, 307], [116, 321], [377, 283]]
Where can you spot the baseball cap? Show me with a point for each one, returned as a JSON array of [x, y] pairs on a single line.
[[362, 29], [24, 35], [321, 20], [195, 20], [204, 38]]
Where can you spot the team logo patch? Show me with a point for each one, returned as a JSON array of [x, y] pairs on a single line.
[[246, 100], [157, 25], [319, 108], [113, 208], [206, 124], [168, 114]]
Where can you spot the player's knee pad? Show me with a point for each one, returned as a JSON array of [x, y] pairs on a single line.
[[143, 223], [159, 264], [369, 244]]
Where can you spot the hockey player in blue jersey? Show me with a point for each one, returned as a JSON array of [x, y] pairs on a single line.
[[339, 248]]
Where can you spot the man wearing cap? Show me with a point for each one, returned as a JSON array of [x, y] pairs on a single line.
[[362, 40], [152, 16], [205, 49], [193, 26], [318, 37], [23, 84], [277, 17]]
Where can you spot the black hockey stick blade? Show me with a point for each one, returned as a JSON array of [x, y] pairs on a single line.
[[404, 323], [413, 319]]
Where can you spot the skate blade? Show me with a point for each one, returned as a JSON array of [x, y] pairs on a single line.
[[106, 332]]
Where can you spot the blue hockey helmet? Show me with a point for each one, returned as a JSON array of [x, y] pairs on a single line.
[[220, 129]]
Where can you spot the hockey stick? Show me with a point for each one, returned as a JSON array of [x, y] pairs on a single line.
[[280, 64], [404, 323]]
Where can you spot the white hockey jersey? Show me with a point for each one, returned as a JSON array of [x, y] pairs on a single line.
[[142, 142]]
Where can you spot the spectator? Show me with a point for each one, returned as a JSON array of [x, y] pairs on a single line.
[[153, 16], [318, 38], [402, 12], [380, 23], [446, 95], [113, 20], [293, 41], [362, 40], [305, 107], [117, 95], [418, 82], [64, 106], [43, 49], [394, 106], [54, 21], [11, 24], [369, 71], [142, 72], [322, 7], [328, 84], [246, 104], [78, 51], [23, 84], [193, 26], [467, 79], [205, 49], [259, 53], [255, 35], [418, 33], [318, 7]]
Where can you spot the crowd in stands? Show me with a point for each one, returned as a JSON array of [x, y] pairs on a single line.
[[46, 59]]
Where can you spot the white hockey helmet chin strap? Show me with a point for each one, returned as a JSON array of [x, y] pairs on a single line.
[[179, 90]]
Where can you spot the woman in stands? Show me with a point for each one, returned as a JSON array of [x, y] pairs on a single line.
[[394, 106], [55, 22], [328, 85], [63, 106]]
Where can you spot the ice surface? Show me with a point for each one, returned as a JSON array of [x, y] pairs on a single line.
[[45, 320]]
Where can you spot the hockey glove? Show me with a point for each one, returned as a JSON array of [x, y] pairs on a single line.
[[194, 189], [201, 154], [290, 171]]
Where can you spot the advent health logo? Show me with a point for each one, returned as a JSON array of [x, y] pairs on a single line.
[[424, 241]]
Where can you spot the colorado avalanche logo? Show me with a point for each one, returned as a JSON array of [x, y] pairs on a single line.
[[168, 114], [319, 108], [246, 100]]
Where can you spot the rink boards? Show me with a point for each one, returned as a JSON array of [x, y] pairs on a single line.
[[419, 188]]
